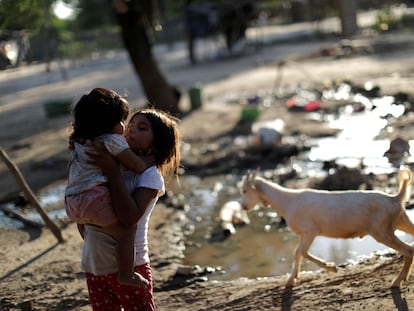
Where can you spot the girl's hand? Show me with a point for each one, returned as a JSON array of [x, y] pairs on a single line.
[[104, 160]]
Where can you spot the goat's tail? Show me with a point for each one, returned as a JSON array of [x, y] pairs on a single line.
[[405, 178]]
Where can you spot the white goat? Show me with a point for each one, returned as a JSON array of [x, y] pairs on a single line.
[[336, 214]]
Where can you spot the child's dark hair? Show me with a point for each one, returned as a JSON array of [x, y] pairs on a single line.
[[166, 143], [96, 113]]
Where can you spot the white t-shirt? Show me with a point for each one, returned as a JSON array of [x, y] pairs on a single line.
[[99, 249], [83, 175]]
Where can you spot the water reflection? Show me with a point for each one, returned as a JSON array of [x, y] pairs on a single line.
[[51, 201], [257, 251], [352, 153]]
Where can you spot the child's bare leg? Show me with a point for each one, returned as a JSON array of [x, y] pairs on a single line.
[[126, 260], [126, 256]]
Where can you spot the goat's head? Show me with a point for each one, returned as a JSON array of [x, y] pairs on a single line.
[[250, 197]]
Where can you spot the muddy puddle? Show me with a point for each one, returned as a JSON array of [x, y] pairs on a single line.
[[51, 201], [262, 248], [265, 246]]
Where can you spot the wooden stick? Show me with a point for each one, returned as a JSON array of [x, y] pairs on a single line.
[[30, 195]]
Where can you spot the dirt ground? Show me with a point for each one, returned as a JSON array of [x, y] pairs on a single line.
[[37, 273]]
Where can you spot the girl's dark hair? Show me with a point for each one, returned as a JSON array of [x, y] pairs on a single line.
[[96, 113], [166, 144]]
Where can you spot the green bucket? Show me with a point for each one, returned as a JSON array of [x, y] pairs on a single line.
[[250, 113], [195, 97]]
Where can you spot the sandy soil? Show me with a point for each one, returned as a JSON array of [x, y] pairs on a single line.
[[38, 273]]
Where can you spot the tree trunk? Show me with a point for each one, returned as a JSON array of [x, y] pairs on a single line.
[[348, 15], [135, 24]]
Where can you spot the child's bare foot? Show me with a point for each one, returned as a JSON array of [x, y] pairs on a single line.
[[134, 279]]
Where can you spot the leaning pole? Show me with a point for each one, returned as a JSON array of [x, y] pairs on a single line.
[[30, 195]]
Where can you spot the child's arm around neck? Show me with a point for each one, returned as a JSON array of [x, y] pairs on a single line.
[[133, 162]]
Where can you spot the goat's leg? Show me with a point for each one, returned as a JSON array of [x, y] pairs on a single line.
[[295, 267], [405, 224], [330, 266], [407, 251], [301, 251], [404, 273]]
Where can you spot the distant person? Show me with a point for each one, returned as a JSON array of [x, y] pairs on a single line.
[[99, 116], [153, 133]]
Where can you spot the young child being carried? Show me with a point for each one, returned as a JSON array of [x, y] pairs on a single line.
[[99, 116]]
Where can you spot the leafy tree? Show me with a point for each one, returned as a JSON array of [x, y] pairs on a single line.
[[22, 14], [93, 14], [22, 19]]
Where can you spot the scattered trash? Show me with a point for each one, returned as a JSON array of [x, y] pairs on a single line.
[[195, 270], [304, 101], [188, 270], [268, 132], [328, 51], [254, 100], [353, 47], [347, 48], [399, 148], [342, 92]]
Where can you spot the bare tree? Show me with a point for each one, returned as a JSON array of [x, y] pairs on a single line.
[[348, 16], [136, 20]]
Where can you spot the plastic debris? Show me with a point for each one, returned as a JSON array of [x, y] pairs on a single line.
[[304, 101], [268, 132]]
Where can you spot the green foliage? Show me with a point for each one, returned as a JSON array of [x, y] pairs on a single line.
[[90, 43], [93, 14], [386, 20], [407, 21], [94, 29], [22, 14]]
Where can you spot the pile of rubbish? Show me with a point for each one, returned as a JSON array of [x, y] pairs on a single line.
[[261, 145]]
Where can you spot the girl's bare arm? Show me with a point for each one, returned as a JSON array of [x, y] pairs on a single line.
[[128, 209], [132, 161]]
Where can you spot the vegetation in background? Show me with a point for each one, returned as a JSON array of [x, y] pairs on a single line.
[[387, 20], [95, 27]]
